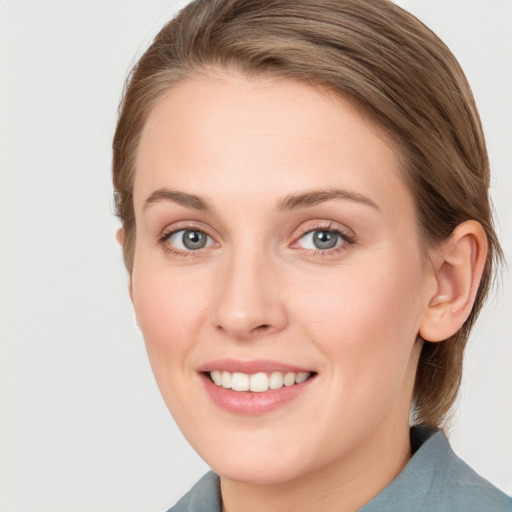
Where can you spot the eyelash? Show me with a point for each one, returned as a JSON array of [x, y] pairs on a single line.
[[346, 240]]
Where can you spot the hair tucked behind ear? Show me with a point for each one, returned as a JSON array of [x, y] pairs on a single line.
[[392, 67]]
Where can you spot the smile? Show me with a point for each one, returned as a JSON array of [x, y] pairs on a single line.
[[257, 382], [255, 387]]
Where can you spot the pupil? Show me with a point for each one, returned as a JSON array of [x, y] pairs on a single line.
[[194, 239], [325, 239]]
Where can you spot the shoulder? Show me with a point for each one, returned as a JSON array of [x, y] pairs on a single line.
[[203, 497], [437, 480], [460, 487]]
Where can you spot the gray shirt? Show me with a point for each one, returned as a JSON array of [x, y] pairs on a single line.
[[434, 480]]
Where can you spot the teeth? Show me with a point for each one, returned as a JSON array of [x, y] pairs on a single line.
[[289, 379], [301, 377], [257, 382], [276, 380], [240, 382], [216, 377], [226, 380]]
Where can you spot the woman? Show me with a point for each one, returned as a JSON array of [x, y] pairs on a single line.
[[303, 190]]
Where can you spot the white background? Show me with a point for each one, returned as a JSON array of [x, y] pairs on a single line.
[[83, 427]]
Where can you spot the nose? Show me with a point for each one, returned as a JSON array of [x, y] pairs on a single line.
[[249, 300]]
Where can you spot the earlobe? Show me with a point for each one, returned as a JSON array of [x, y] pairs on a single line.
[[120, 236], [458, 265]]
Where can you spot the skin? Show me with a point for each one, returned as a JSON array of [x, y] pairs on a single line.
[[259, 289]]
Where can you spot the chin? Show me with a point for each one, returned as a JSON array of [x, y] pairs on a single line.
[[264, 463], [257, 472]]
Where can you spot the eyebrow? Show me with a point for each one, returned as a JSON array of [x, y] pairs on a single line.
[[314, 197], [181, 198], [289, 202]]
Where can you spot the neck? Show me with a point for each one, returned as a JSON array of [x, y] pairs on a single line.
[[342, 486]]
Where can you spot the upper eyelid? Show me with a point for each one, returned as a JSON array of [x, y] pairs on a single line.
[[347, 235], [325, 225], [176, 227]]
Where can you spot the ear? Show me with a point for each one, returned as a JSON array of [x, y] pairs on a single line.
[[458, 266], [120, 241], [120, 236]]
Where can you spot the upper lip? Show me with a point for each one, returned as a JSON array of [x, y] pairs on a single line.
[[250, 367]]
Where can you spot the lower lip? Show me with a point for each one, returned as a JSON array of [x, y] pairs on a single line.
[[248, 402]]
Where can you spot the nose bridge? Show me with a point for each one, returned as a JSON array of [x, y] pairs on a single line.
[[248, 299]]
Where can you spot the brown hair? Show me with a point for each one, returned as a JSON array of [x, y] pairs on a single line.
[[392, 67]]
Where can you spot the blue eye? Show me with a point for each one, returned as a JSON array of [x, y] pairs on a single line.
[[321, 240], [188, 239]]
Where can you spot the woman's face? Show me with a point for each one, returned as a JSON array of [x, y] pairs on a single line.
[[275, 236]]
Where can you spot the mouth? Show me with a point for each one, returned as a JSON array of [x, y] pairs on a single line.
[[257, 382], [254, 387]]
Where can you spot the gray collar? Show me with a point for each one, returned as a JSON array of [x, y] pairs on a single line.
[[434, 480]]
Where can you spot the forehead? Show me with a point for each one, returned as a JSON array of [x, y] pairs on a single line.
[[243, 137]]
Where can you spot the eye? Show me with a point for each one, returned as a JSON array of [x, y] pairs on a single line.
[[323, 239], [188, 240]]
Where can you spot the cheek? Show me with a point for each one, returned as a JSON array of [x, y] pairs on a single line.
[[171, 311], [171, 308], [367, 318]]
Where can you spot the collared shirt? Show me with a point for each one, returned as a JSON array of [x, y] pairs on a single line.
[[434, 480]]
